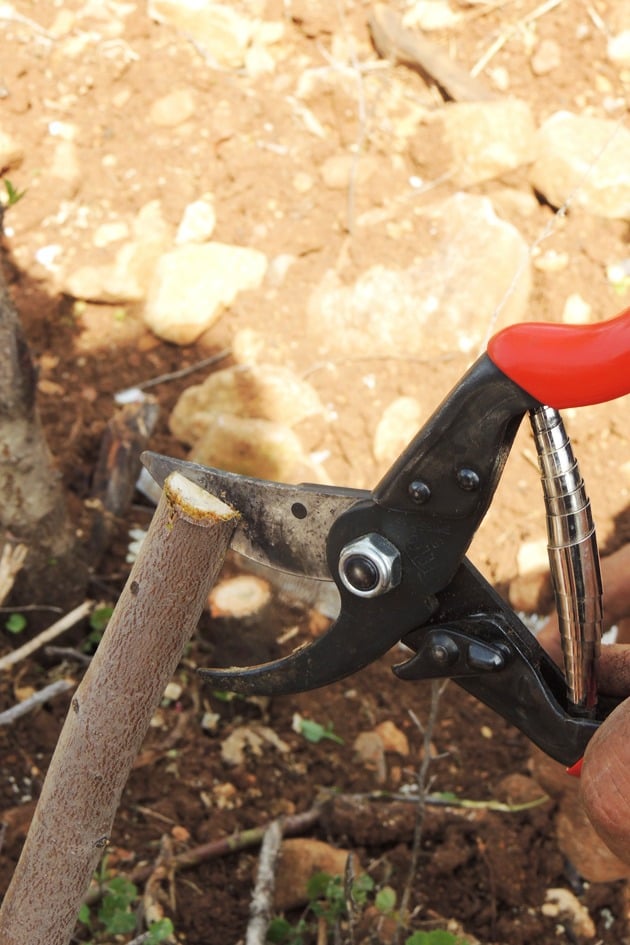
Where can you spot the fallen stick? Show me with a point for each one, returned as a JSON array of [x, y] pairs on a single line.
[[38, 698], [111, 710], [261, 906], [56, 629], [394, 42]]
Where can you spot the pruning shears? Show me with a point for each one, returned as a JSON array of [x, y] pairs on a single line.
[[397, 555]]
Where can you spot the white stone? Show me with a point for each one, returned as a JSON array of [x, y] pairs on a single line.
[[265, 391], [222, 32], [618, 49], [546, 58], [585, 159], [198, 222], [192, 285], [487, 139], [173, 109], [476, 280], [400, 421], [11, 152], [577, 310]]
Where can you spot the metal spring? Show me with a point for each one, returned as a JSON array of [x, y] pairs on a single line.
[[573, 557]]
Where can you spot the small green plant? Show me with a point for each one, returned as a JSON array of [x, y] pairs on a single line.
[[116, 913], [15, 623], [435, 937], [99, 618], [13, 195], [315, 732]]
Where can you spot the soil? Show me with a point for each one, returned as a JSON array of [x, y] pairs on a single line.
[[487, 870]]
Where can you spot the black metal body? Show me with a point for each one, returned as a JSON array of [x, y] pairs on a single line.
[[428, 506]]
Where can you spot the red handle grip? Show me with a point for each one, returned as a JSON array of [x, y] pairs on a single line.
[[566, 365]]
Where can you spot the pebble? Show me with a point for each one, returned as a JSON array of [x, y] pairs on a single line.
[[198, 222], [585, 159], [444, 302], [193, 283], [173, 109], [547, 57], [618, 49], [577, 310]]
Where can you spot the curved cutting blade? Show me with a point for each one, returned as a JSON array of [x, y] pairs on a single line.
[[282, 526]]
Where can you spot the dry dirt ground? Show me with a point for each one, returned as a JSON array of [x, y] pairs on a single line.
[[246, 146]]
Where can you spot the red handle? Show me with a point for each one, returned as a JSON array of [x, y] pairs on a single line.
[[566, 365]]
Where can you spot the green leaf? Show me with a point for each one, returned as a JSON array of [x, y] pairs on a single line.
[[84, 914], [315, 732], [99, 618], [278, 931], [385, 900], [15, 623], [159, 931], [13, 194], [435, 937]]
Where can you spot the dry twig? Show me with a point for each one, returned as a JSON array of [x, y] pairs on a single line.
[[55, 630], [38, 698], [262, 900]]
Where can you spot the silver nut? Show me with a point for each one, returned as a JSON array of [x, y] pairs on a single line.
[[370, 566]]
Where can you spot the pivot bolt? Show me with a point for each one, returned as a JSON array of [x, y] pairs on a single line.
[[370, 566]]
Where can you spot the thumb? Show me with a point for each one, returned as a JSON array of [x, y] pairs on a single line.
[[605, 781]]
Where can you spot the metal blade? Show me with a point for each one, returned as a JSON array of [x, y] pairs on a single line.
[[283, 526]]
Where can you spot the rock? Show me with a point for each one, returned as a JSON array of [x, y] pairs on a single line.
[[618, 49], [519, 789], [65, 165], [530, 591], [476, 279], [299, 859], [584, 158], [251, 739], [222, 32], [11, 152], [197, 223], [577, 310], [370, 752], [263, 391], [173, 109], [338, 169], [127, 277], [192, 285], [546, 58], [393, 738], [254, 447], [487, 139], [400, 421], [563, 904]]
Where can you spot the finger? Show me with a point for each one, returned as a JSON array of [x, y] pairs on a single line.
[[605, 781], [613, 671]]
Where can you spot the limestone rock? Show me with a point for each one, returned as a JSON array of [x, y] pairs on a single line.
[[254, 447], [585, 158], [476, 279], [487, 139], [173, 109], [197, 223], [400, 421], [192, 285], [263, 391], [11, 152], [618, 49], [127, 276], [301, 858], [222, 32]]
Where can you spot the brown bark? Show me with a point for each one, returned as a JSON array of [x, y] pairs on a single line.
[[33, 510], [111, 710]]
